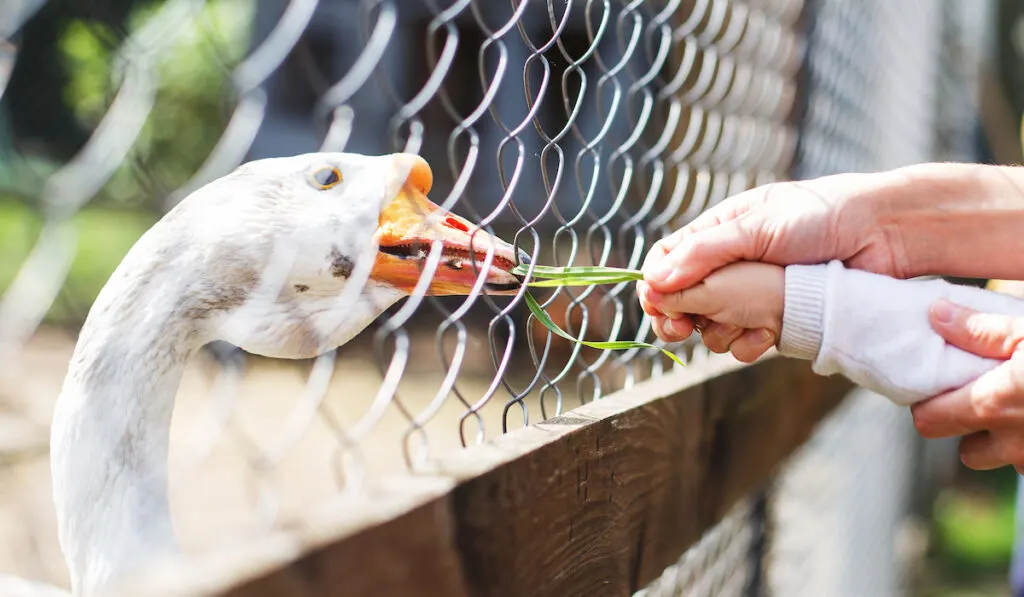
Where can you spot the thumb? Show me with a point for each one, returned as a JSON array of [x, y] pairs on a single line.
[[698, 254], [985, 334]]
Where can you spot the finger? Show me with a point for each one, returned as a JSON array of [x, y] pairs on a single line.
[[699, 254], [644, 296], [994, 400], [718, 337], [992, 449], [747, 297], [727, 210], [1009, 446], [658, 327], [980, 451], [680, 328], [752, 344], [672, 330], [697, 300], [985, 334]]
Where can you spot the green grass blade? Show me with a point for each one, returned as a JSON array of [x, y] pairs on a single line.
[[606, 275], [543, 317], [574, 282]]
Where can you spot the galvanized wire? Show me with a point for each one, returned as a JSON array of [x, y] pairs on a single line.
[[882, 89], [889, 84], [717, 565]]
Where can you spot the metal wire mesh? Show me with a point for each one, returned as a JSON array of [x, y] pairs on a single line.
[[888, 84], [843, 513], [719, 564], [582, 131]]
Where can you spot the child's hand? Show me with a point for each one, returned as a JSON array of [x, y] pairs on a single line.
[[742, 299]]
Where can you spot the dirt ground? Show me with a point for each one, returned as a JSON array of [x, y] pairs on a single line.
[[216, 490]]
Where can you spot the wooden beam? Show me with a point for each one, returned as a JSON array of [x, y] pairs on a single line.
[[597, 501]]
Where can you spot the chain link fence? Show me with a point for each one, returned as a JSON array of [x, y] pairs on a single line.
[[579, 131], [887, 84]]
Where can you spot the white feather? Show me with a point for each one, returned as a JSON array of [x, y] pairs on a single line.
[[223, 264]]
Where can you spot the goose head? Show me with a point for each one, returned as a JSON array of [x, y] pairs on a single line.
[[280, 240]]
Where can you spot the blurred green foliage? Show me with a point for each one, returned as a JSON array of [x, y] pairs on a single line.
[[193, 104], [976, 532], [972, 531], [105, 234]]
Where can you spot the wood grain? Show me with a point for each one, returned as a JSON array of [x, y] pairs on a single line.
[[596, 502]]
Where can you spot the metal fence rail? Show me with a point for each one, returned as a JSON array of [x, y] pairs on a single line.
[[584, 131]]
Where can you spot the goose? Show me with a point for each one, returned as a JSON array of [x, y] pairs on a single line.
[[260, 258]]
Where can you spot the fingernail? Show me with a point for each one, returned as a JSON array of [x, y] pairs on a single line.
[[676, 327], [674, 316], [764, 337], [944, 311]]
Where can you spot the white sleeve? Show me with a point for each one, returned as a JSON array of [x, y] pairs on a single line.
[[874, 329]]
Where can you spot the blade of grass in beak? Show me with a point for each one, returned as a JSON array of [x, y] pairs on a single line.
[[577, 276], [575, 282], [542, 317], [614, 274]]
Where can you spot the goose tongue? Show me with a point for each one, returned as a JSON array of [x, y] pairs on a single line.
[[411, 223]]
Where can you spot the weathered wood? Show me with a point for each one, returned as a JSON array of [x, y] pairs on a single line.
[[596, 502], [603, 510]]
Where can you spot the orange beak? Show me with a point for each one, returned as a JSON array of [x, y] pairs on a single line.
[[411, 223]]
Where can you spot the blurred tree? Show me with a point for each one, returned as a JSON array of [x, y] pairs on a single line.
[[59, 94], [40, 122], [64, 87]]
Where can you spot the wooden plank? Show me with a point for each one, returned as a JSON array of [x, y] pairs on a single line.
[[386, 562], [598, 501], [607, 507]]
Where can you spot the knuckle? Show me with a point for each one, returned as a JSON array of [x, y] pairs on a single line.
[[715, 345], [719, 337], [745, 354], [688, 250], [1017, 376], [995, 331], [1016, 370], [770, 189], [988, 407], [1017, 334], [676, 301]]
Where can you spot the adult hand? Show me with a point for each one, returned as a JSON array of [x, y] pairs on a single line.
[[898, 223], [989, 412], [781, 223]]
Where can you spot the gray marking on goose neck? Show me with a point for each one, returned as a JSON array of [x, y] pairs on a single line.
[[341, 265]]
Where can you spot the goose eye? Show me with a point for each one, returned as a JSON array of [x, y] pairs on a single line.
[[326, 178]]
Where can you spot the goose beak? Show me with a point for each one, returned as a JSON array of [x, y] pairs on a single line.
[[411, 223]]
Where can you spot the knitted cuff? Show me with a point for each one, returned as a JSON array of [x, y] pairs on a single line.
[[803, 317]]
